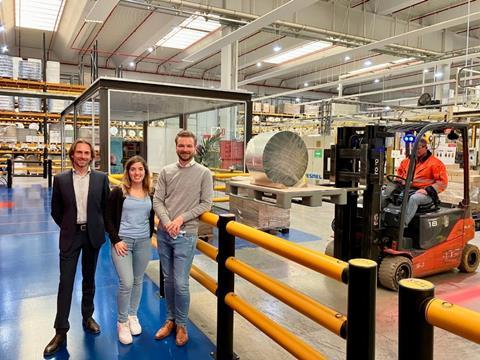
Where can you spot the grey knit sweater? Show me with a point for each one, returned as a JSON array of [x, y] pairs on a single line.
[[185, 191]]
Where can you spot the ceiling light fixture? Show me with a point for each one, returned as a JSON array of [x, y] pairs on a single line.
[[259, 64], [438, 75], [426, 71], [131, 64], [380, 67], [367, 63], [305, 84], [2, 27], [346, 58], [188, 32], [150, 49], [388, 108], [277, 48], [4, 49], [297, 99], [376, 81], [299, 51]]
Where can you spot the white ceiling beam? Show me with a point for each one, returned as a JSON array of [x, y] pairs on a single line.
[[364, 48], [281, 12], [387, 73], [386, 7]]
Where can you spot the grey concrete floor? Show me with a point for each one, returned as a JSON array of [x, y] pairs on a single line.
[[250, 343]]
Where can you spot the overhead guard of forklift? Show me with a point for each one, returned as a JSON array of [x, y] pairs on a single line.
[[417, 126]]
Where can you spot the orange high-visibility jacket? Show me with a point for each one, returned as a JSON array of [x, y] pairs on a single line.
[[429, 172]]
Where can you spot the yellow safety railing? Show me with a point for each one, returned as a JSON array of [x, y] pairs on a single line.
[[453, 318], [329, 266], [286, 339], [328, 318], [353, 272], [218, 175], [210, 218], [203, 278], [419, 311]]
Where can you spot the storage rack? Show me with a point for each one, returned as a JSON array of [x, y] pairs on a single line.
[[42, 90]]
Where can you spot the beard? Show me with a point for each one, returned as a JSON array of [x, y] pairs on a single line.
[[187, 157]]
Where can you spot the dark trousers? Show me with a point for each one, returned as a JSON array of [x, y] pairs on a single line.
[[68, 267]]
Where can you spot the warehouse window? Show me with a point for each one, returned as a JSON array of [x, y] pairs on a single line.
[[191, 30], [38, 14]]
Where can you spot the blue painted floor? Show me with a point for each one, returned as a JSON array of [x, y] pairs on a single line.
[[28, 287]]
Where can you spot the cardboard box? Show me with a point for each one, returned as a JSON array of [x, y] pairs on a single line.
[[311, 109], [450, 167], [257, 107], [259, 215], [286, 108]]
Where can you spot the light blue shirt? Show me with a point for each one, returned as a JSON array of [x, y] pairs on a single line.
[[135, 221]]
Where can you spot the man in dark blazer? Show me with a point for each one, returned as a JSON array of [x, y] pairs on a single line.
[[79, 201]]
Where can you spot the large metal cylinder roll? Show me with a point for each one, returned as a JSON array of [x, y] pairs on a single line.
[[278, 157]]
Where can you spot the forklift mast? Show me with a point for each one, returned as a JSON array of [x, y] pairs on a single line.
[[357, 162]]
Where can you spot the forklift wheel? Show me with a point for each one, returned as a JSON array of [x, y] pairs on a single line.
[[393, 269], [470, 259], [329, 248]]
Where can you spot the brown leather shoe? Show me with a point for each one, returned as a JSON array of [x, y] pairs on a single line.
[[91, 326], [182, 335], [165, 330], [55, 344]]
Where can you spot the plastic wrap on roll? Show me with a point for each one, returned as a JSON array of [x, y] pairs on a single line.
[[278, 157]]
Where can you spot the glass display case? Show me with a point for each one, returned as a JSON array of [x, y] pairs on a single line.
[[124, 117]]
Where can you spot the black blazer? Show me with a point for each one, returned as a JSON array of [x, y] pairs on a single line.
[[64, 208], [114, 214]]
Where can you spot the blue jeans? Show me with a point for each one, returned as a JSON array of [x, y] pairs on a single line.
[[130, 270], [413, 202], [176, 257]]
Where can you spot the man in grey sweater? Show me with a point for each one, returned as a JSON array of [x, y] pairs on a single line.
[[184, 191]]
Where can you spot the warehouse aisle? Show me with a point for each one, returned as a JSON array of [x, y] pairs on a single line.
[[29, 279]]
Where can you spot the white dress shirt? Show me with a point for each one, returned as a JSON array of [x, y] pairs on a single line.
[[80, 186]]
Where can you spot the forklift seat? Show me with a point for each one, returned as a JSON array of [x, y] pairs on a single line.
[[427, 208]]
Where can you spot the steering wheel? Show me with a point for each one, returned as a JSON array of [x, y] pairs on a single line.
[[395, 179]]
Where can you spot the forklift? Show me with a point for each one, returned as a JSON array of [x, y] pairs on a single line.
[[436, 240]]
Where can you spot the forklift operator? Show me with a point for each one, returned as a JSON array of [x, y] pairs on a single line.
[[430, 179]]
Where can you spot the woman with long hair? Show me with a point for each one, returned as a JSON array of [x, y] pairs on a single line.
[[130, 226]]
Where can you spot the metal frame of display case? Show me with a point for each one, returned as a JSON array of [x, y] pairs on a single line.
[[102, 87]]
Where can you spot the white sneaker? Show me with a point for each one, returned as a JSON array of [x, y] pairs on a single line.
[[124, 335], [135, 327]]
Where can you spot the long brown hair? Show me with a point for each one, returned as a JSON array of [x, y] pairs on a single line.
[[127, 183]]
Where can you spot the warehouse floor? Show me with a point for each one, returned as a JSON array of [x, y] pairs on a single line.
[[29, 273]]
